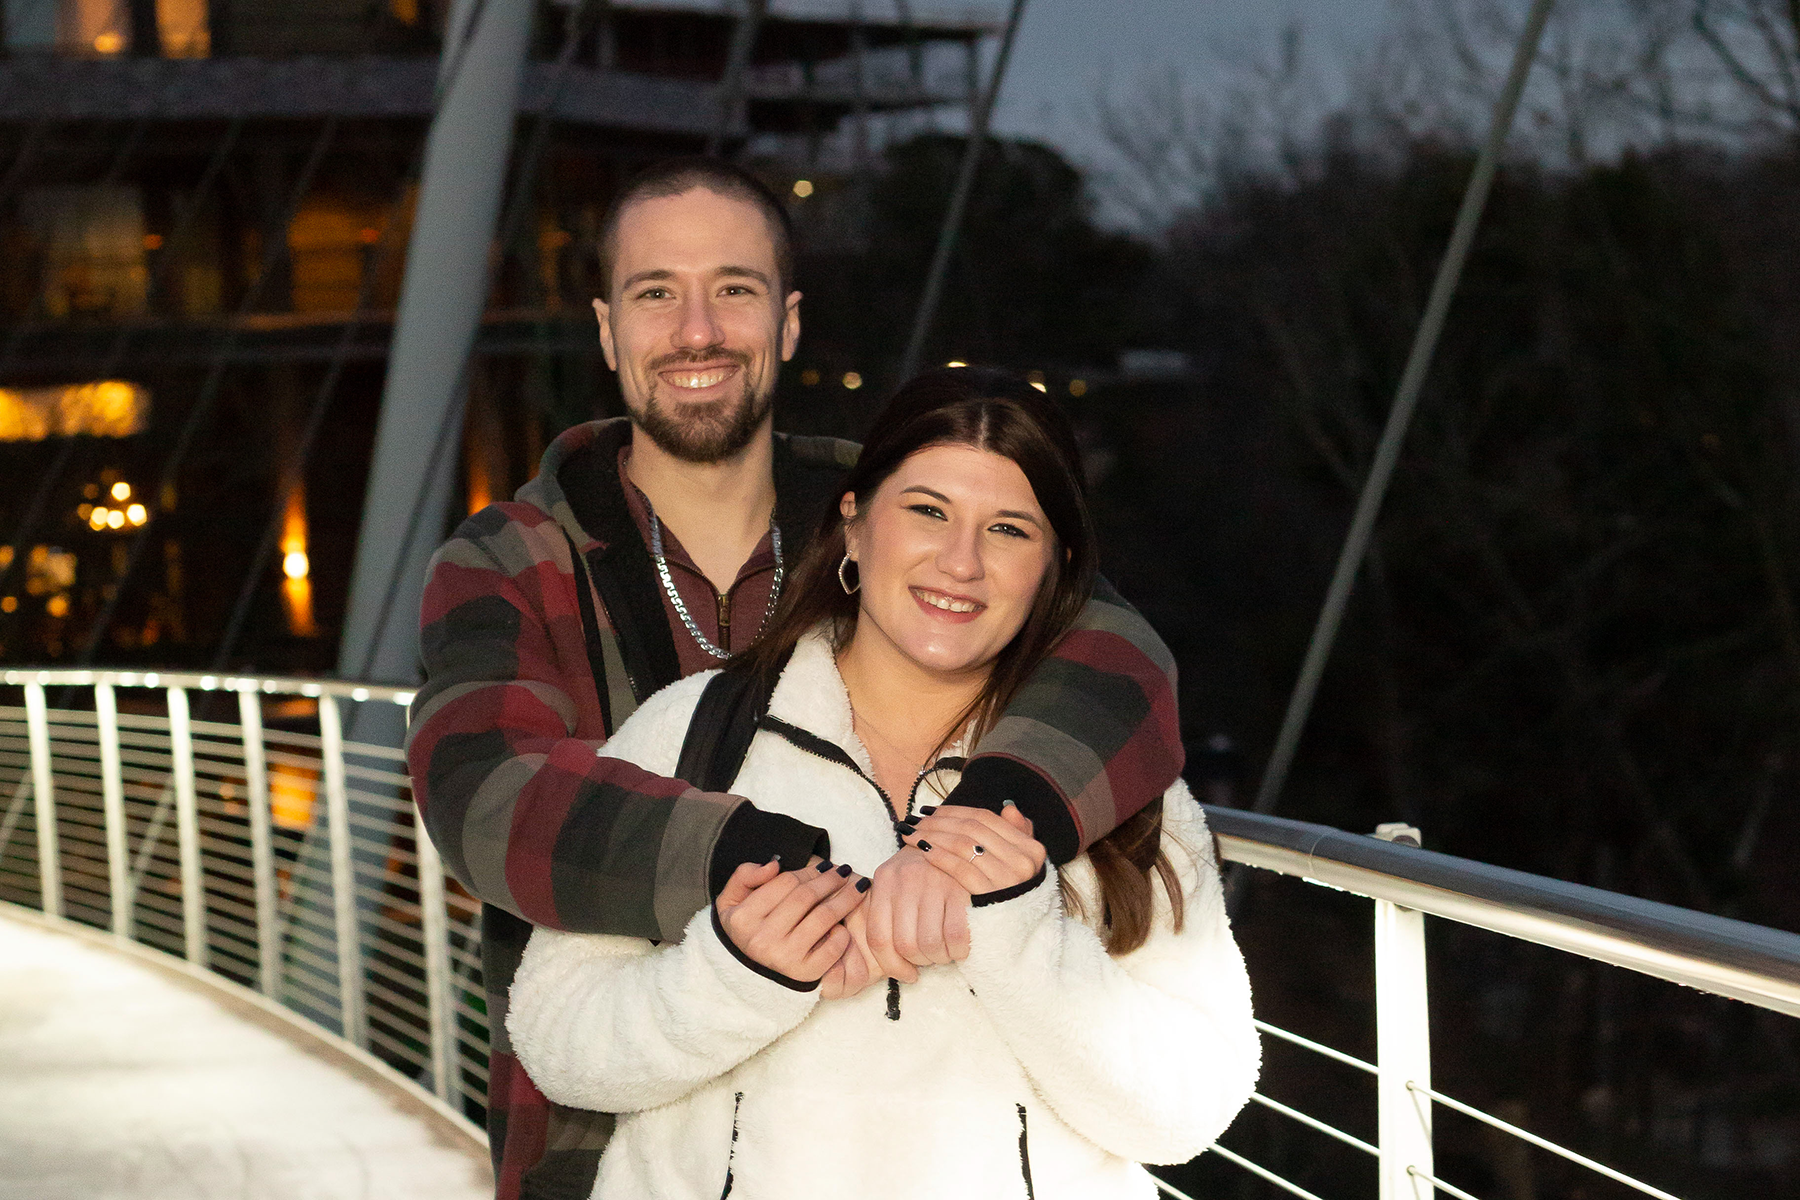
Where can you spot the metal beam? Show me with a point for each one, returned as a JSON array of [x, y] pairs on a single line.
[[442, 297], [959, 199], [1406, 399]]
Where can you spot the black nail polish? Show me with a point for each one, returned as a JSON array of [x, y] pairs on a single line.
[[862, 885], [908, 828], [844, 870], [923, 845], [928, 810], [824, 867]]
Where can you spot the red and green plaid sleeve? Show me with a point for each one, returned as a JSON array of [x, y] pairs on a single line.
[[503, 752], [1091, 738]]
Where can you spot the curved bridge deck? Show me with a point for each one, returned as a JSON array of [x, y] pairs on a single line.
[[122, 1078]]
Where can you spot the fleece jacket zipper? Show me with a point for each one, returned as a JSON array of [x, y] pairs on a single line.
[[818, 747]]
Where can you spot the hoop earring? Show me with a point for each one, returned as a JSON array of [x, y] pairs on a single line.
[[845, 583]]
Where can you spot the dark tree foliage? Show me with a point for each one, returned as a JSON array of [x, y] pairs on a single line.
[[1032, 281], [1574, 649]]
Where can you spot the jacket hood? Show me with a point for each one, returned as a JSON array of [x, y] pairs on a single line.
[[577, 484], [595, 442]]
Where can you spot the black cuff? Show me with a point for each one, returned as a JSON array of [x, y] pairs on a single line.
[[1006, 893], [751, 835], [989, 780], [765, 972]]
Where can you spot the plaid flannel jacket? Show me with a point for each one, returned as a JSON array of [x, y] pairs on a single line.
[[529, 667]]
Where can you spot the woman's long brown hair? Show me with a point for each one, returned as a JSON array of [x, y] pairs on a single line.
[[1001, 413]]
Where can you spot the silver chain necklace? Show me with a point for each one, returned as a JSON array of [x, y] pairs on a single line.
[[668, 582]]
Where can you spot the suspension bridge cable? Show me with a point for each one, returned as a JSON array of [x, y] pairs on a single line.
[[737, 63], [271, 257], [959, 199], [578, 28], [513, 215], [47, 480], [274, 250], [1406, 398]]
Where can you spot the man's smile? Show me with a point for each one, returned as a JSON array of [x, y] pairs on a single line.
[[692, 378]]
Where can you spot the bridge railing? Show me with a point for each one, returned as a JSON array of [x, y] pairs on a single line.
[[229, 821]]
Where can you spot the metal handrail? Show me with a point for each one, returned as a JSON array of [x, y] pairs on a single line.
[[1736, 959], [275, 685], [77, 755]]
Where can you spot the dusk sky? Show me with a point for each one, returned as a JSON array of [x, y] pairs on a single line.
[[1069, 48]]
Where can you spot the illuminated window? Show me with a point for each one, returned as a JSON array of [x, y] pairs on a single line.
[[100, 27], [109, 408], [92, 242], [185, 31], [331, 242]]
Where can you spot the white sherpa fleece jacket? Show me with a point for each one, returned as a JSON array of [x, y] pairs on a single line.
[[1038, 1067]]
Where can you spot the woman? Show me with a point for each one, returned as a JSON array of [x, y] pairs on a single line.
[[1101, 1018]]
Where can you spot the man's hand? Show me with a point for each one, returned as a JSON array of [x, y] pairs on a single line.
[[983, 851], [790, 922], [917, 916]]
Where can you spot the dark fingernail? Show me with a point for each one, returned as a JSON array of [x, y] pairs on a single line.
[[928, 810], [908, 828], [824, 867], [923, 845], [844, 870], [862, 885]]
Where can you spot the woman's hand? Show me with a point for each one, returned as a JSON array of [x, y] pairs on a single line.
[[857, 969], [917, 916], [983, 851], [790, 922]]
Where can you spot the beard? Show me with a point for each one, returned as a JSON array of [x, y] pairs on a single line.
[[710, 432]]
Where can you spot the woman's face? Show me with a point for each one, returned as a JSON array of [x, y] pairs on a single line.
[[950, 550]]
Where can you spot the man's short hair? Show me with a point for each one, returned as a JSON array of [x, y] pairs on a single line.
[[676, 176]]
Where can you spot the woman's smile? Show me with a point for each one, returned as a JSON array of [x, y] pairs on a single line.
[[946, 607], [950, 551]]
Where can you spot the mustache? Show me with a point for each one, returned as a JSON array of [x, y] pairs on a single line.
[[684, 357]]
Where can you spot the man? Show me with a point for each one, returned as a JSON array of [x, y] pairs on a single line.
[[651, 548]]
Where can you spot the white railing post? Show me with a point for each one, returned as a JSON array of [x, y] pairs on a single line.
[[43, 791], [1402, 1045], [262, 850], [187, 826], [343, 874], [434, 928], [112, 799]]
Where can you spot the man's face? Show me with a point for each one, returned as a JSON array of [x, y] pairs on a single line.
[[695, 327]]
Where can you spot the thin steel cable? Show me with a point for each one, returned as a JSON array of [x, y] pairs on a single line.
[[1317, 1047], [1406, 398], [122, 155], [510, 222], [273, 252], [295, 471], [731, 89], [1435, 1182], [1256, 1169], [1313, 1122], [34, 511], [959, 199], [1541, 1143]]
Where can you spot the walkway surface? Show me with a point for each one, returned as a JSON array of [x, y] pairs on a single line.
[[122, 1079]]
